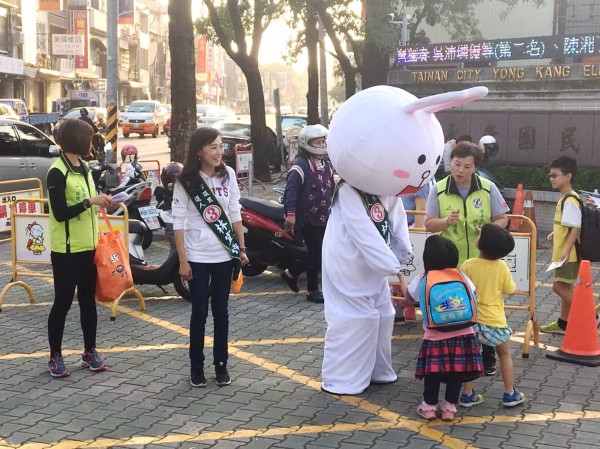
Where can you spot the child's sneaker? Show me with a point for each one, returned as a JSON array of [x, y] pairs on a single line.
[[222, 375], [92, 360], [57, 367], [429, 412], [552, 328], [448, 410], [469, 400], [510, 400]]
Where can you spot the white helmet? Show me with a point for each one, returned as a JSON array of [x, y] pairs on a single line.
[[310, 133], [488, 144]]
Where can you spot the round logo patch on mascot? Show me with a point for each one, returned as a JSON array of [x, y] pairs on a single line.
[[211, 214], [477, 203], [377, 212]]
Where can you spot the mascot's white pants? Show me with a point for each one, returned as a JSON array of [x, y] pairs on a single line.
[[358, 341]]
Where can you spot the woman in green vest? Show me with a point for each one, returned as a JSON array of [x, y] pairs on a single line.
[[74, 235], [463, 202], [459, 206]]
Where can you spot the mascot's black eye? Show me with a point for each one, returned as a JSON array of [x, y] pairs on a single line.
[[437, 161], [422, 159]]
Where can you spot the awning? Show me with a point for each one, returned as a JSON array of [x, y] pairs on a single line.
[[134, 84], [86, 75], [48, 73]]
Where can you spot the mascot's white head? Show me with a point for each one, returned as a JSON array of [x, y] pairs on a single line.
[[385, 141]]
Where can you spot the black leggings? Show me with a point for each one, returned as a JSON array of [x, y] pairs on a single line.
[[70, 271], [313, 236], [432, 388]]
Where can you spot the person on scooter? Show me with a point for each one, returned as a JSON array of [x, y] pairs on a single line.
[[210, 244], [84, 115], [307, 200]]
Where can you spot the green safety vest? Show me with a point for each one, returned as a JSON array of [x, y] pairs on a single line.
[[81, 232], [475, 211]]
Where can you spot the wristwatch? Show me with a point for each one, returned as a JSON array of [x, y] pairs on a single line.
[[86, 203]]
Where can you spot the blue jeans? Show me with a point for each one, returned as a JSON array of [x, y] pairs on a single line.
[[214, 280]]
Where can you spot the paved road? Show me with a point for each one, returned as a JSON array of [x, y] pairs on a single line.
[[145, 400], [148, 147]]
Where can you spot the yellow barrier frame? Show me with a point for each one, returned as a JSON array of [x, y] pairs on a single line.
[[532, 328], [15, 273]]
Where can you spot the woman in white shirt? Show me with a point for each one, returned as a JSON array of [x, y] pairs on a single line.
[[210, 243]]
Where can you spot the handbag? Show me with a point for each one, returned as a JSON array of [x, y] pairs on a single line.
[[112, 265]]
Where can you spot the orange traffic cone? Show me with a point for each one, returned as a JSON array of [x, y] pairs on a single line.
[[581, 345], [529, 212], [517, 208]]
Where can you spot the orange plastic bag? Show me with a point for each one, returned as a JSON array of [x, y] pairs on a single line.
[[112, 265], [236, 284]]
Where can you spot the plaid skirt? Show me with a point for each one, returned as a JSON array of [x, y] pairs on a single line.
[[455, 355]]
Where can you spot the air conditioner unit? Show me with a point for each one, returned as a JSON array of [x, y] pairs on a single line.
[[18, 37]]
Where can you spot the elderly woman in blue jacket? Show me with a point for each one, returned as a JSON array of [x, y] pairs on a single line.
[[307, 199]]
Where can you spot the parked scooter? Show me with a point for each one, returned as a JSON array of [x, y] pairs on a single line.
[[164, 274], [267, 241]]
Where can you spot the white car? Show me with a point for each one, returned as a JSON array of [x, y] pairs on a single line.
[[215, 114], [121, 114]]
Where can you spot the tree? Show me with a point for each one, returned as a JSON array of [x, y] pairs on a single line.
[[183, 81], [238, 26], [377, 43], [312, 42]]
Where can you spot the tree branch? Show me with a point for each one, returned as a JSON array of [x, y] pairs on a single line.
[[219, 31], [238, 27]]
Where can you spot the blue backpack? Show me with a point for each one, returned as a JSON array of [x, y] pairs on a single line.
[[447, 302]]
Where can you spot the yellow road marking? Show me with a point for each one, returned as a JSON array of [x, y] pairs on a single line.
[[528, 417], [163, 347]]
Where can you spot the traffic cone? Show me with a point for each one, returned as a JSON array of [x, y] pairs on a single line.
[[529, 212], [581, 345], [517, 208]]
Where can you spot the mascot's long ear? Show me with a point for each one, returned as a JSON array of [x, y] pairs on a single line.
[[436, 103]]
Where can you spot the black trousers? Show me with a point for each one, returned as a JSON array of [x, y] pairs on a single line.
[[71, 271], [313, 236]]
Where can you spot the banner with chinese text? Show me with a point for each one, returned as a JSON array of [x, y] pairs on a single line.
[[81, 27]]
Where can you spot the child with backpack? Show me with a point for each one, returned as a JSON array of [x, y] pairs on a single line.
[[450, 352], [492, 279]]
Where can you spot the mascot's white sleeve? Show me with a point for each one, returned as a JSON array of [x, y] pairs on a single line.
[[364, 235], [400, 238]]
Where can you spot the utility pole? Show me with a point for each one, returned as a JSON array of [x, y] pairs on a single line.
[[323, 76], [112, 78]]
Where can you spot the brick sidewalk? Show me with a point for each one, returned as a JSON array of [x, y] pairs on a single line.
[[145, 400]]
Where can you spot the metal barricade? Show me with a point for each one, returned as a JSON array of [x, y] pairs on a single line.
[[30, 235]]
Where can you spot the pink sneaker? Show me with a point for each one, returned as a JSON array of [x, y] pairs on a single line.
[[448, 410], [429, 412]]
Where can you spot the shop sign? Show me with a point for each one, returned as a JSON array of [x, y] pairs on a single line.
[[11, 65], [532, 48], [68, 44]]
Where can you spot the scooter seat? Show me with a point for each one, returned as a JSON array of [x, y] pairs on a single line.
[[266, 208], [137, 227]]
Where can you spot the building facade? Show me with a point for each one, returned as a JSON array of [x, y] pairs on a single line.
[[542, 67]]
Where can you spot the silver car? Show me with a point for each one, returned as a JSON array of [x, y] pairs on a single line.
[[25, 152]]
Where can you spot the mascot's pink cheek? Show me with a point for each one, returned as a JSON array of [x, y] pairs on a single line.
[[403, 174]]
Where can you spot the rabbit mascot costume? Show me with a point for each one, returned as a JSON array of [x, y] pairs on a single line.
[[383, 142]]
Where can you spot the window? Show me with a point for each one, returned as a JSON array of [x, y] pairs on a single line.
[[4, 30], [9, 143], [33, 141]]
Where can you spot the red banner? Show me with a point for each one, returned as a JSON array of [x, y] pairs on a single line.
[[51, 5], [201, 56], [81, 26]]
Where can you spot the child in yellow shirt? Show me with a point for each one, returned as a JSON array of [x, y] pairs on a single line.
[[492, 279]]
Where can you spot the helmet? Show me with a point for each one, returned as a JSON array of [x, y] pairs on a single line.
[[488, 145], [84, 111], [128, 150], [170, 173], [308, 135]]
